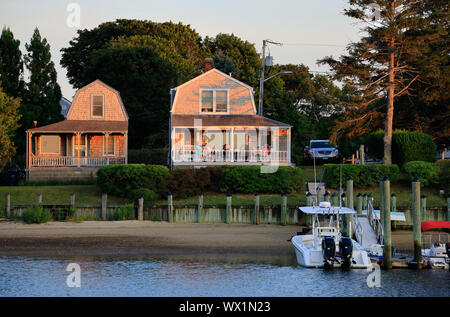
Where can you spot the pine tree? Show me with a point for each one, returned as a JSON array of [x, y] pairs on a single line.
[[9, 116], [11, 64], [377, 66], [43, 92]]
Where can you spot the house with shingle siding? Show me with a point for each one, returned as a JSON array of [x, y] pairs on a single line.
[[94, 134], [213, 121]]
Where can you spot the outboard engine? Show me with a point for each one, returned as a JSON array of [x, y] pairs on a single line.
[[346, 251], [328, 251]]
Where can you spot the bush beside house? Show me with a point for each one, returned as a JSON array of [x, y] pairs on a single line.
[[363, 175]]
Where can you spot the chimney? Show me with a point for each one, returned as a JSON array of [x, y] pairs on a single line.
[[208, 64]]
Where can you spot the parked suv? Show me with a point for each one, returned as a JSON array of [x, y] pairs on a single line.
[[322, 150]]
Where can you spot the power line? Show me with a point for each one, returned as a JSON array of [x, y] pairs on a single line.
[[313, 44]]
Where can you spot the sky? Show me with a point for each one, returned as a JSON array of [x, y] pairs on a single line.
[[309, 29]]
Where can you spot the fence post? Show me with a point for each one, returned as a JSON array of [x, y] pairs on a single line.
[[256, 211], [334, 200], [141, 208], [39, 199], [423, 207], [8, 205], [104, 205], [283, 209], [72, 200], [359, 203], [200, 208], [394, 209], [228, 208], [170, 207], [326, 196], [416, 222], [387, 223]]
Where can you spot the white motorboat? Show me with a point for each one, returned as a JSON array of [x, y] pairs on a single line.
[[326, 247], [438, 253]]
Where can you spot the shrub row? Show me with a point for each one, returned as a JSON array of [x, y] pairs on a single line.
[[407, 146], [153, 182], [427, 172], [444, 175], [363, 175]]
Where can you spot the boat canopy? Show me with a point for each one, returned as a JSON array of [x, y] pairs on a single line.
[[326, 211], [428, 225]]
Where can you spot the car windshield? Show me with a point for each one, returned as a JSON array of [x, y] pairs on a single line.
[[324, 144]]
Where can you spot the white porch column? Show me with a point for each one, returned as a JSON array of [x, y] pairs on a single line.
[[289, 146], [79, 149], [126, 147], [232, 144], [106, 148]]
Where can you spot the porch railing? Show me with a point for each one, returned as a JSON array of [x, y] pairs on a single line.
[[70, 161], [228, 156]]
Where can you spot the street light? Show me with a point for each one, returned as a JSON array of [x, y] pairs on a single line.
[[280, 73]]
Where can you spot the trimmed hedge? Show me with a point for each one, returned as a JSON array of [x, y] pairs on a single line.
[[153, 182], [148, 156], [407, 146], [444, 174], [427, 172], [363, 175], [122, 180]]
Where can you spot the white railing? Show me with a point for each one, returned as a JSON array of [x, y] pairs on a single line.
[[70, 161], [217, 156], [375, 222]]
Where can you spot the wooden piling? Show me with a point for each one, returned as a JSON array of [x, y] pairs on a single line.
[[228, 208], [256, 210], [8, 205], [141, 208], [369, 199], [416, 222], [283, 209], [170, 216], [423, 207], [387, 223], [362, 155], [200, 208], [359, 203], [104, 205], [309, 202], [381, 201]]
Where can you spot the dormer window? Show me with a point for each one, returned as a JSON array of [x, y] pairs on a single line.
[[214, 101], [97, 106]]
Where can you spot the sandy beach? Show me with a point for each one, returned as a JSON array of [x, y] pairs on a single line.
[[133, 237]]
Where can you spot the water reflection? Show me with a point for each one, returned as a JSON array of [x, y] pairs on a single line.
[[205, 275]]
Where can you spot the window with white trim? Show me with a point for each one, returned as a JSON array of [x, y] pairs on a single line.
[[98, 105], [214, 101]]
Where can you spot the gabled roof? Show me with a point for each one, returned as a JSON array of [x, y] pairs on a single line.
[[72, 126], [219, 72], [98, 81]]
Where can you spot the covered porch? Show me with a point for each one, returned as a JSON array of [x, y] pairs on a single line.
[[204, 144], [77, 144]]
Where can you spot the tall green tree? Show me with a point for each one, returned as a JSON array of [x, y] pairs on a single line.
[[9, 117], [43, 91], [378, 65], [11, 64], [242, 53]]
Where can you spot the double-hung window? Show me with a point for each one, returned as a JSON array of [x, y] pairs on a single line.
[[214, 101], [97, 106]]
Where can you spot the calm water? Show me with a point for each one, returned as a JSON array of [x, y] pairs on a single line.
[[213, 276]]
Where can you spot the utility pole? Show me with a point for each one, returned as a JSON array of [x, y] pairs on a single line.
[[263, 68]]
